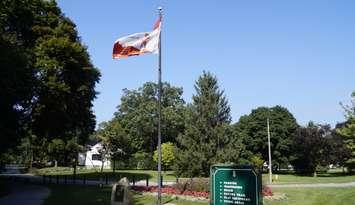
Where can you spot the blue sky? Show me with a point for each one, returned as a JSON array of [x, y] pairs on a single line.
[[297, 54]]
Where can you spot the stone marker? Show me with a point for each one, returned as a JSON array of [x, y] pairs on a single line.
[[121, 193], [232, 184]]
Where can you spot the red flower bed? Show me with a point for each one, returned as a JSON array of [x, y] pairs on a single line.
[[267, 191], [171, 190]]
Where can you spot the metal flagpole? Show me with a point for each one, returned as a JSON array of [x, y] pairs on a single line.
[[268, 139], [160, 9]]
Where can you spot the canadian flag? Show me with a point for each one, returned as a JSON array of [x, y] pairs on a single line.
[[138, 43]]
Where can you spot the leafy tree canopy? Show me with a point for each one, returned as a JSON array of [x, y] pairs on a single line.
[[47, 79], [253, 130], [137, 114], [347, 131], [311, 148], [167, 156], [114, 139]]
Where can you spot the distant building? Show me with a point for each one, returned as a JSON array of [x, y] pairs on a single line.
[[92, 157]]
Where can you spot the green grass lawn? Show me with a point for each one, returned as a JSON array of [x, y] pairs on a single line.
[[90, 195], [78, 195], [330, 177], [93, 195], [92, 174], [321, 178], [315, 196], [4, 187]]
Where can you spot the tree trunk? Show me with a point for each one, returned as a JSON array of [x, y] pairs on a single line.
[[102, 169], [102, 166], [74, 166], [31, 159], [114, 166]]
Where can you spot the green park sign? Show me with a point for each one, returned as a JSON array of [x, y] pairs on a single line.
[[231, 184]]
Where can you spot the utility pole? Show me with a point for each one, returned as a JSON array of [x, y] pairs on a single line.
[[268, 139]]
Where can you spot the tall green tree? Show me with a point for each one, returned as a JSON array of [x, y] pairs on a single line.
[[47, 80], [207, 138], [56, 150], [114, 141], [347, 131], [253, 130], [66, 85], [17, 81], [338, 153], [137, 114]]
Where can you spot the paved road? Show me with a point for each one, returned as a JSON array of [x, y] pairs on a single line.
[[25, 194], [347, 184]]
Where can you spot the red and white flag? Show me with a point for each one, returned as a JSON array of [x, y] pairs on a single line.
[[138, 43]]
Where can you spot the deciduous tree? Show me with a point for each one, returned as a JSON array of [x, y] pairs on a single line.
[[310, 148], [137, 114], [253, 130], [47, 80], [167, 155], [347, 131]]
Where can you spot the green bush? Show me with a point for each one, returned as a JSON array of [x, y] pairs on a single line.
[[142, 160], [322, 169], [52, 170], [193, 184], [120, 164], [350, 165]]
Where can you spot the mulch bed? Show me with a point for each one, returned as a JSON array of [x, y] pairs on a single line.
[[171, 190]]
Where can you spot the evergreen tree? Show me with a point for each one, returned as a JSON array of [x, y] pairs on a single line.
[[207, 139]]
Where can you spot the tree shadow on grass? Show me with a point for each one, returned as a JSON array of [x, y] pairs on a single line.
[[337, 174], [4, 187], [310, 174], [320, 175], [141, 199], [110, 176]]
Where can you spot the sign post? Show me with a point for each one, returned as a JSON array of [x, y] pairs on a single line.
[[231, 184]]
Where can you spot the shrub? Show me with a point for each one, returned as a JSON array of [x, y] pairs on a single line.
[[193, 184], [350, 165], [142, 160]]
